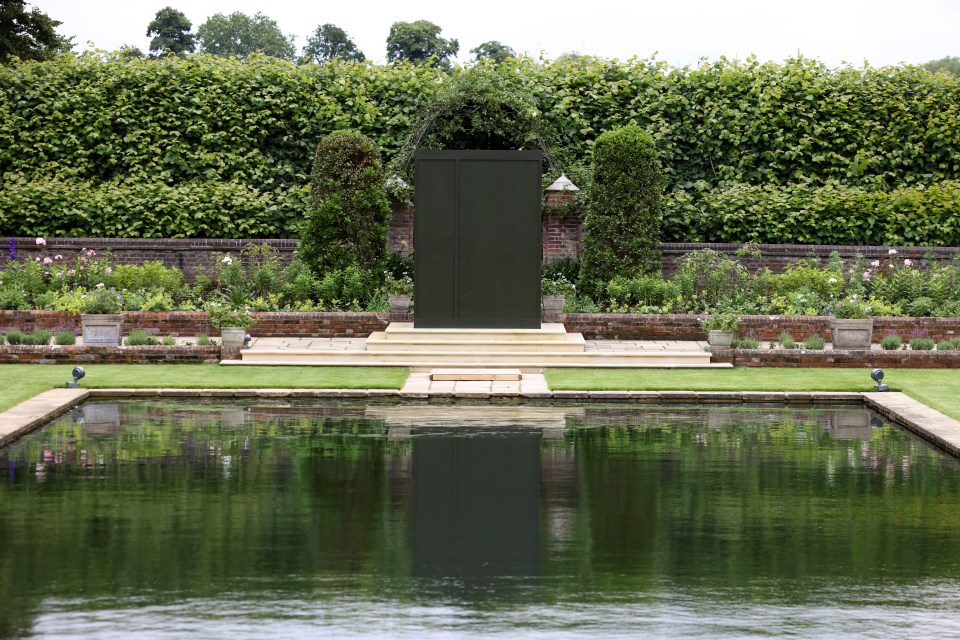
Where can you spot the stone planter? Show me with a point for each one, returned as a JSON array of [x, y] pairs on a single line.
[[399, 302], [553, 308], [232, 337], [719, 339], [101, 328], [849, 333]]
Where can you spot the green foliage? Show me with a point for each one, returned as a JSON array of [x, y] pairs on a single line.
[[814, 343], [168, 341], [102, 300], [725, 321], [203, 340], [804, 214], [558, 286], [948, 64], [240, 35], [622, 226], [3, 339], [891, 342], [328, 42], [921, 344], [643, 294], [29, 35], [493, 50], [205, 146], [15, 337], [349, 216], [223, 313], [346, 289], [949, 345], [138, 338], [65, 338], [786, 341], [42, 337], [746, 342], [420, 43], [171, 33]]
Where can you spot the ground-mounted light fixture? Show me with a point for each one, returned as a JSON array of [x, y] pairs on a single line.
[[877, 375], [246, 341], [78, 373]]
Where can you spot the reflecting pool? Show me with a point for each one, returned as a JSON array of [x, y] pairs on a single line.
[[159, 518]]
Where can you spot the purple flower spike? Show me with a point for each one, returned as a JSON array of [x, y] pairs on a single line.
[[13, 248]]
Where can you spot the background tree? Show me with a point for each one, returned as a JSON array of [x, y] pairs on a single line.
[[622, 226], [951, 64], [330, 41], [418, 42], [171, 33], [128, 51], [29, 35], [493, 50], [347, 222], [240, 35]]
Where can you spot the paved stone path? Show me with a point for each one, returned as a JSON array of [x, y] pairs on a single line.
[[419, 385]]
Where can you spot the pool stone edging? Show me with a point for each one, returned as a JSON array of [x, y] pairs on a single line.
[[939, 430]]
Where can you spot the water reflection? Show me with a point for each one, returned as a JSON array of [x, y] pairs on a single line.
[[675, 521]]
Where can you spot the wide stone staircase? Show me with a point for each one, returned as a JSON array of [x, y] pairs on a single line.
[[549, 346]]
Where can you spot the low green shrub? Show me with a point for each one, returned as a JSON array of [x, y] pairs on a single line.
[[921, 344], [15, 337], [168, 341], [891, 342], [814, 343], [42, 337], [138, 338], [3, 339], [786, 341], [949, 345], [747, 342], [65, 338], [204, 340]]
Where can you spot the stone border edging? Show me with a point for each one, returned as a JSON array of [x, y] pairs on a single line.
[[937, 429]]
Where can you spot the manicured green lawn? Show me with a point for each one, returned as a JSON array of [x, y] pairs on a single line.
[[938, 388], [21, 381]]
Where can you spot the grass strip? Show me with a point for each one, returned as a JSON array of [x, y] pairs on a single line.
[[21, 381], [937, 388]]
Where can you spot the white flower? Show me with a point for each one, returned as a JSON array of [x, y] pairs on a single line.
[[907, 262], [892, 252], [874, 263], [41, 241], [832, 281], [99, 285], [227, 260]]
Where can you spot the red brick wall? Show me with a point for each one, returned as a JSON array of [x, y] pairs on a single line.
[[622, 326], [842, 359], [562, 238], [80, 354]]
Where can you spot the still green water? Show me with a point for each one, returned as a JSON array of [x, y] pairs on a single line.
[[217, 520]]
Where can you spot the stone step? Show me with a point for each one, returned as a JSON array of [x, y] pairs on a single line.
[[405, 331], [519, 359], [459, 375], [379, 342]]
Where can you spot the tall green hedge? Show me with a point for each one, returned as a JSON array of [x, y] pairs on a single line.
[[623, 213], [96, 128], [349, 215]]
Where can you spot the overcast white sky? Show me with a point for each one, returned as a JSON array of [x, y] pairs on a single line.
[[835, 31]]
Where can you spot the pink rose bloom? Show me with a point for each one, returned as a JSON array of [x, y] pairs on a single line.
[[866, 275], [109, 270], [58, 257], [892, 252], [83, 259], [908, 262], [91, 252], [48, 260], [70, 272], [874, 263], [41, 241]]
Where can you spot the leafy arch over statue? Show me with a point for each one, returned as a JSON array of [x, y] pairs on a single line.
[[481, 108]]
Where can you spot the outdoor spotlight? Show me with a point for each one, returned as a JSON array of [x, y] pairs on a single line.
[[246, 341], [78, 373], [877, 375]]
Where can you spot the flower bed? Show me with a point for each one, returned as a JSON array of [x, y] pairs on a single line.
[[83, 354]]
